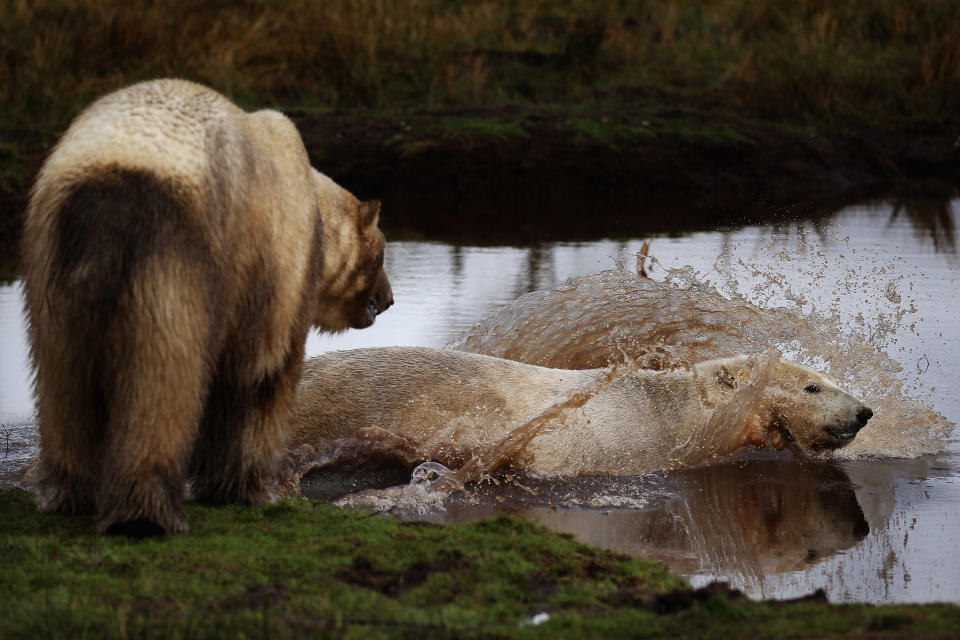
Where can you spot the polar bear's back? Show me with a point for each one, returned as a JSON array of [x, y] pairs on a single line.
[[413, 391]]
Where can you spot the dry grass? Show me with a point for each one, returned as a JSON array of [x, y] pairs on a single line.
[[800, 61]]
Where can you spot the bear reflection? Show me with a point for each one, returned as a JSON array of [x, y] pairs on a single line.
[[747, 519], [739, 520]]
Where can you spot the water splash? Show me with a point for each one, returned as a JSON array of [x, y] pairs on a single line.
[[615, 316], [713, 437], [836, 316], [511, 448]]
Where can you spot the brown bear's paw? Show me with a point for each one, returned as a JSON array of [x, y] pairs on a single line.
[[142, 528], [56, 490], [268, 494], [140, 509], [138, 524], [240, 493]]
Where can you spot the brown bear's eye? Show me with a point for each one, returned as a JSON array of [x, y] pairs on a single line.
[[812, 388]]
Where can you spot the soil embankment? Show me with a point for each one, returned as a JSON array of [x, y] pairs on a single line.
[[522, 177], [525, 176]]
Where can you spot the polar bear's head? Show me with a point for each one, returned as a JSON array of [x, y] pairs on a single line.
[[795, 405], [355, 288]]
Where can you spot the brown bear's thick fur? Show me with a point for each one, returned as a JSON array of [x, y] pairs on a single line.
[[176, 251]]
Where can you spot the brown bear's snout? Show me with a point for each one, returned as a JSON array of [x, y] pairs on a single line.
[[381, 298], [864, 414]]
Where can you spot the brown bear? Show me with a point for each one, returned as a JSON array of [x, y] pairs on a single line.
[[176, 251]]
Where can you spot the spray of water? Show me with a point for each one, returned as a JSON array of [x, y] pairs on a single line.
[[511, 447], [608, 317]]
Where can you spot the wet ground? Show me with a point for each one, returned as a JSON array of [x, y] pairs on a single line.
[[870, 288]]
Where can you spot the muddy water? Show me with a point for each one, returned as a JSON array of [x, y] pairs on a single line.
[[865, 295]]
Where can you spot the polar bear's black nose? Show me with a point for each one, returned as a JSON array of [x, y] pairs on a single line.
[[864, 414]]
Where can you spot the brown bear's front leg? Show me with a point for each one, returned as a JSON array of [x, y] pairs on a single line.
[[59, 490]]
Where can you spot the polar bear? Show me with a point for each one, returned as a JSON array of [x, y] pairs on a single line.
[[176, 251], [454, 405]]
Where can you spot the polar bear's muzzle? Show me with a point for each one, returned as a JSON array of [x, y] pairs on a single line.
[[847, 432], [830, 436]]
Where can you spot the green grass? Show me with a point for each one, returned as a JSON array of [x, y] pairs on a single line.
[[301, 569], [465, 130], [604, 131], [693, 70], [587, 127], [708, 135]]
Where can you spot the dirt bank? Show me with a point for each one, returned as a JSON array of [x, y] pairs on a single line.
[[513, 155], [525, 175], [574, 175]]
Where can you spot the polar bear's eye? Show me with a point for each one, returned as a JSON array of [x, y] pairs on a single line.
[[812, 388]]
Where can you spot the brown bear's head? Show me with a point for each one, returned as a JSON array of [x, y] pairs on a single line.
[[354, 286]]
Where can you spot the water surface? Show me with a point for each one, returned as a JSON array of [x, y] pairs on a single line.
[[867, 530]]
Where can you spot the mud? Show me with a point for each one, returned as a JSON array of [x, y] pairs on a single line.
[[363, 573], [554, 162]]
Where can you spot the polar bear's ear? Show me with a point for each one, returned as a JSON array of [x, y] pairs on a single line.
[[369, 214], [726, 378]]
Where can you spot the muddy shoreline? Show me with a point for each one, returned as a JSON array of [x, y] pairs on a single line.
[[686, 155], [524, 176], [551, 181]]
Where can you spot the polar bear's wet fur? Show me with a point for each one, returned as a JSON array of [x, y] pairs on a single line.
[[643, 421], [176, 251]]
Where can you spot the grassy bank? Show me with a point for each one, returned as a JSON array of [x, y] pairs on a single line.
[[603, 75], [308, 569], [797, 61]]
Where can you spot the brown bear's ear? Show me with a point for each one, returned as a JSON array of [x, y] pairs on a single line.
[[726, 378], [369, 214]]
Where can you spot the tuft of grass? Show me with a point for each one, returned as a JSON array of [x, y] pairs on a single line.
[[464, 129], [707, 135], [303, 569], [604, 131]]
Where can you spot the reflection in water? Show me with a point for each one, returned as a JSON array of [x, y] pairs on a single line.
[[931, 217], [772, 526], [744, 522], [544, 220]]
